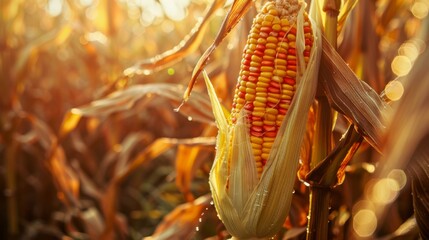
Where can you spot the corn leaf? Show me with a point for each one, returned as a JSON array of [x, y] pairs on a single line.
[[187, 46], [198, 108], [182, 221], [238, 9], [352, 97]]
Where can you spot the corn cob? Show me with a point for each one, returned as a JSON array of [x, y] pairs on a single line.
[[266, 83]]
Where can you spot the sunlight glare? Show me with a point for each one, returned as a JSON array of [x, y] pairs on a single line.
[[175, 9], [54, 7]]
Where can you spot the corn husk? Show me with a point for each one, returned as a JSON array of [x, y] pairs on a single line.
[[252, 207]]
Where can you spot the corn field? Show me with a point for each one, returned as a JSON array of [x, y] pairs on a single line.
[[185, 119]]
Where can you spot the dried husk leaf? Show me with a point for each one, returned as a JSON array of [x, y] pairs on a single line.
[[252, 207], [238, 9], [352, 97]]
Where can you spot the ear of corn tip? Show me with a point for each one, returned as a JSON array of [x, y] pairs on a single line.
[[258, 147]]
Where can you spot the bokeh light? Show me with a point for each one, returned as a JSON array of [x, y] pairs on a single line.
[[399, 176], [401, 65], [420, 9], [364, 223], [384, 191], [394, 90]]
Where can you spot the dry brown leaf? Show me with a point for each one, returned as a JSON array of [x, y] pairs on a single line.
[[182, 221], [352, 97], [238, 9], [65, 177], [185, 167], [198, 108], [187, 46]]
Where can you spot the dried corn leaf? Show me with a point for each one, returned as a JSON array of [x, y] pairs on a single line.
[[65, 177], [182, 221], [352, 97], [160, 146], [198, 108], [238, 9], [187, 46], [185, 159]]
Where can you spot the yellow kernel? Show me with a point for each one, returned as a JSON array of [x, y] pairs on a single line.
[[257, 152], [272, 111], [265, 150], [251, 46], [271, 39], [281, 50], [261, 89], [269, 123], [263, 94], [270, 52], [277, 79], [266, 69], [267, 145], [288, 97], [270, 117], [271, 45], [252, 40], [250, 90], [291, 73], [249, 97], [253, 69], [260, 99], [265, 155], [258, 104], [276, 27], [255, 64], [284, 105], [242, 89], [268, 139], [274, 95], [279, 72], [260, 83], [266, 75], [287, 92], [262, 41], [268, 18], [266, 24], [291, 57], [287, 87], [273, 12], [272, 100], [281, 67], [250, 84], [256, 145], [279, 61], [256, 140], [268, 57], [284, 22], [256, 58], [291, 37], [283, 45]]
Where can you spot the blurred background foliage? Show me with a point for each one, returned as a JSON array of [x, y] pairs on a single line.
[[90, 144]]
